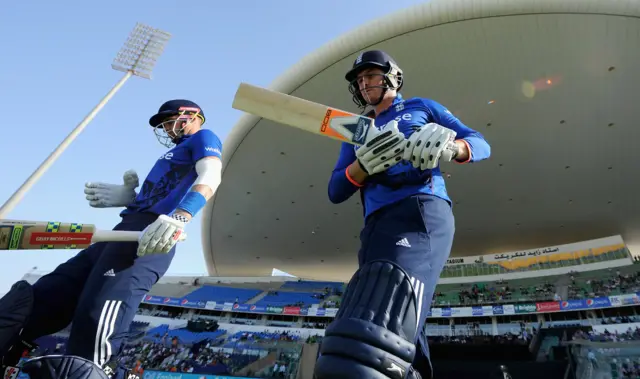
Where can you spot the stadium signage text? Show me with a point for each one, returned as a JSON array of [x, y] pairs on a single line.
[[277, 310], [525, 308], [549, 306], [474, 311], [601, 243], [149, 374]]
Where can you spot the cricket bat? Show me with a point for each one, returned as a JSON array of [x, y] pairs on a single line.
[[303, 114], [37, 235]]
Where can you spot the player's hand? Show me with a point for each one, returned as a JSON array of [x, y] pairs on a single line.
[[383, 148], [161, 236], [427, 146], [105, 195]]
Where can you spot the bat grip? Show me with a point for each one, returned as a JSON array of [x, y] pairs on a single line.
[[121, 236]]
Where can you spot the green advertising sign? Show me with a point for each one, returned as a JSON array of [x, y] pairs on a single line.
[[525, 308]]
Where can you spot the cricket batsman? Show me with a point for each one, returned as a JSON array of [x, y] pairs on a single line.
[[378, 332], [100, 289]]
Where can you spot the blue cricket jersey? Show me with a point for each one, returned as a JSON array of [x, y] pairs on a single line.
[[402, 180], [174, 173]]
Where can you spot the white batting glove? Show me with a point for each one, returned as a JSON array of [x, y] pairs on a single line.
[[162, 235], [105, 195], [383, 148], [427, 146]]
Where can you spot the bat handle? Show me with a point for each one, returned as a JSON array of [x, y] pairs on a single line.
[[121, 236]]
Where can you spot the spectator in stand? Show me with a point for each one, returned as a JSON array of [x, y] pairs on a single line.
[[505, 339], [632, 334]]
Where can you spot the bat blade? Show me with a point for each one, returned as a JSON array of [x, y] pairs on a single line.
[[303, 114], [33, 235], [43, 235]]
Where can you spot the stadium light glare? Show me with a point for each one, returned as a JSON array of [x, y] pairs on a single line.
[[137, 57]]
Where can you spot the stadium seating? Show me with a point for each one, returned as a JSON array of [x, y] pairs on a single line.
[[138, 326], [282, 298], [605, 283], [184, 336], [250, 336], [311, 286], [493, 292], [326, 294], [170, 290], [222, 294]]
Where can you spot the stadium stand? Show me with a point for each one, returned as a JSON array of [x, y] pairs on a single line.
[[283, 298], [170, 290], [494, 292], [268, 342], [312, 286], [222, 294], [544, 262], [159, 333], [605, 283]]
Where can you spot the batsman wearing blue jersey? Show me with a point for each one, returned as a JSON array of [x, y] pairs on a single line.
[[378, 333], [100, 289]]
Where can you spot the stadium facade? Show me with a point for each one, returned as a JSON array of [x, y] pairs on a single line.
[[547, 82]]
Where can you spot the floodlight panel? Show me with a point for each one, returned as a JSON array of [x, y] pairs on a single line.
[[141, 51]]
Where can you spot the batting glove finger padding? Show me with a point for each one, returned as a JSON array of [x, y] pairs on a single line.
[[382, 150], [160, 236], [427, 145]]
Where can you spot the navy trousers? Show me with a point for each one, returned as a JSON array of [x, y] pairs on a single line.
[[98, 291], [417, 234]]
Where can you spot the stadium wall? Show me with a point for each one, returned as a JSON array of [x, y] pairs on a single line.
[[149, 374], [538, 273], [224, 279], [231, 328]]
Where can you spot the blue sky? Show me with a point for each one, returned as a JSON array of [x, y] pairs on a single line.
[[56, 66]]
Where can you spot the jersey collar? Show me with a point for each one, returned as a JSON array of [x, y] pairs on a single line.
[[396, 101], [182, 139]]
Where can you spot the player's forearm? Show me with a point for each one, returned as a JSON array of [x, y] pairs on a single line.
[[357, 173], [201, 189], [209, 177], [204, 190], [476, 148], [342, 186], [463, 151]]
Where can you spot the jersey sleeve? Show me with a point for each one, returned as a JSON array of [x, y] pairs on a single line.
[[205, 144], [479, 148], [341, 186]]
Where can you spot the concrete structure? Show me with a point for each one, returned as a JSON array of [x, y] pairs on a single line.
[[551, 84]]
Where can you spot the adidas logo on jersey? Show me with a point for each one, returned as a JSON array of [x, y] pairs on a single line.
[[403, 242]]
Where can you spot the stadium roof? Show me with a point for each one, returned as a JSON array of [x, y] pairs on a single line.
[[551, 84]]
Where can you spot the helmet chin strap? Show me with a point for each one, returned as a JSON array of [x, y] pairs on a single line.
[[366, 97]]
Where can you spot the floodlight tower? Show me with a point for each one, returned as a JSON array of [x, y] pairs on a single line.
[[137, 57]]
